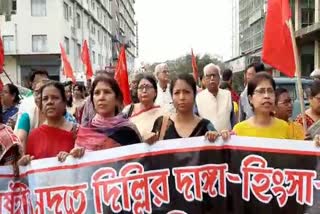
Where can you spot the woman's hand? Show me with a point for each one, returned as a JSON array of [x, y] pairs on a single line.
[[307, 136], [211, 136], [77, 152], [151, 138], [62, 156], [225, 134], [317, 140], [25, 160]]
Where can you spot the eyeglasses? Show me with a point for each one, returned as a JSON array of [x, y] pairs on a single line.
[[263, 91], [146, 87]]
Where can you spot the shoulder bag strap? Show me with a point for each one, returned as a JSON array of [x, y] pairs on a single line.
[[164, 126]]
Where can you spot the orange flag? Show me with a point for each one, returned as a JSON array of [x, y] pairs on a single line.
[[277, 49], [85, 57], [194, 66], [121, 76], [67, 69]]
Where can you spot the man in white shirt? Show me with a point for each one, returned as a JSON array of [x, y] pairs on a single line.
[[245, 109], [213, 103], [164, 98], [28, 104]]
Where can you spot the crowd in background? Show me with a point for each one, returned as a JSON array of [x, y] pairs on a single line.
[[62, 119]]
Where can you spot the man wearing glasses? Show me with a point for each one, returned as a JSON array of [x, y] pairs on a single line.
[[164, 98], [283, 111], [315, 75], [213, 103]]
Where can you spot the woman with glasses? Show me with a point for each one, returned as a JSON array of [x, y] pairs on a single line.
[[312, 114], [261, 95], [144, 113], [283, 111]]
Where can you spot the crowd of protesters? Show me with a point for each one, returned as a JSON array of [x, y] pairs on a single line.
[[58, 120]]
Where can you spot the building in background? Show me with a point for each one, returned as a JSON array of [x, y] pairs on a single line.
[[124, 30], [305, 16], [235, 29], [32, 35]]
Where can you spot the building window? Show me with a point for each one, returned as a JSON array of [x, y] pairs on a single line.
[[105, 41], [14, 6], [99, 13], [100, 36], [39, 43], [78, 51], [78, 21], [93, 29], [93, 57], [100, 59], [66, 11], [78, 56], [93, 4], [8, 43], [66, 44], [307, 17], [70, 12], [38, 8]]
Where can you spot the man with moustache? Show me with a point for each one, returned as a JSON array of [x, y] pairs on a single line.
[[245, 109], [213, 103], [164, 98]]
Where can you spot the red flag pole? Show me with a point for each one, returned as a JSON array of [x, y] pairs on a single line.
[[298, 74]]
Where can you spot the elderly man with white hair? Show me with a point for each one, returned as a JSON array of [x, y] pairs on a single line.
[[213, 103], [164, 98], [315, 74]]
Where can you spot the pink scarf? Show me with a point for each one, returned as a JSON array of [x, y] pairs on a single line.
[[95, 136]]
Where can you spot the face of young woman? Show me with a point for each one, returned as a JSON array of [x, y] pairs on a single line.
[[146, 91], [6, 98], [315, 104], [183, 97], [104, 100], [263, 98], [51, 102]]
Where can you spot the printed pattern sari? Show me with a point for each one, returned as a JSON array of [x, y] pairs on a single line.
[[309, 120]]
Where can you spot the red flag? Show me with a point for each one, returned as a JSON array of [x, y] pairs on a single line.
[[1, 55], [121, 76], [277, 49], [67, 69], [85, 57], [194, 66], [1, 61]]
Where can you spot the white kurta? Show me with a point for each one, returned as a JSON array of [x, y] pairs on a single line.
[[29, 106], [217, 109], [164, 99]]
